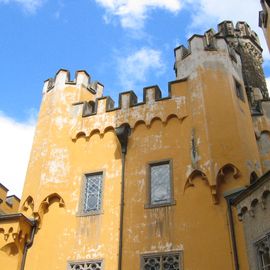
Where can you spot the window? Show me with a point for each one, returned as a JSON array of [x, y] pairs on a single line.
[[263, 253], [91, 199], [166, 261], [85, 265], [160, 183], [239, 90]]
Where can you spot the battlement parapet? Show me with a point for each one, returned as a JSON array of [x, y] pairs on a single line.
[[209, 41], [242, 30], [82, 78], [8, 204], [102, 113]]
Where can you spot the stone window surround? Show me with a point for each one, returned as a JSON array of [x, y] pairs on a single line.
[[162, 253], [97, 261], [80, 212], [239, 90], [262, 238], [148, 193]]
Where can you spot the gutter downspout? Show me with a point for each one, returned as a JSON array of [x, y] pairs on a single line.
[[28, 245], [122, 134], [230, 197], [232, 232]]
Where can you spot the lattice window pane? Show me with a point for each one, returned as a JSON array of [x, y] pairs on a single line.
[[160, 184], [263, 251], [94, 265], [171, 262], [152, 263], [93, 193], [161, 262]]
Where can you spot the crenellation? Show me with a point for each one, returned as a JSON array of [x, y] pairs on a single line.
[[243, 29], [8, 204], [61, 78], [97, 87], [89, 108], [181, 52], [151, 94], [127, 99], [102, 105], [82, 79], [209, 39], [101, 114], [226, 28]]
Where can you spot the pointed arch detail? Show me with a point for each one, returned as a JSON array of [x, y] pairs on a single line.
[[194, 174]]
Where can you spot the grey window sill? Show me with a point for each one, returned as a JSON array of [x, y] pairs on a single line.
[[151, 206], [97, 213]]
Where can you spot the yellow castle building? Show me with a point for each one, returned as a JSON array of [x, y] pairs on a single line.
[[145, 185]]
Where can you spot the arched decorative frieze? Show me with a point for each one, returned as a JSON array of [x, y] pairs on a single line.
[[225, 173], [195, 174], [81, 134], [138, 123], [241, 212], [9, 239], [45, 204], [264, 198], [87, 132], [171, 116], [10, 249], [133, 116], [28, 204], [55, 197], [199, 174], [108, 129], [155, 119], [253, 205]]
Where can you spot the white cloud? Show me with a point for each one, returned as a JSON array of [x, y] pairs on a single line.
[[132, 13], [207, 13], [28, 5], [15, 144], [135, 68]]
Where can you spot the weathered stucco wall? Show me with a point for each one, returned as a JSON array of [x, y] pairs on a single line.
[[204, 127]]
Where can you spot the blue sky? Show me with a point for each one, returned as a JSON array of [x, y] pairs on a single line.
[[124, 44]]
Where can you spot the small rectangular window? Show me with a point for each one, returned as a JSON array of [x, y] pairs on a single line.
[[239, 90], [160, 183], [91, 195], [163, 261], [85, 265]]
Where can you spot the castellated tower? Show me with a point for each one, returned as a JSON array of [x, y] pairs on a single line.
[[143, 185]]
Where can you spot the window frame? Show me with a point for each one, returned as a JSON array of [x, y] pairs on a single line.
[[162, 254], [149, 203], [85, 261], [81, 212], [263, 238], [239, 90]]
